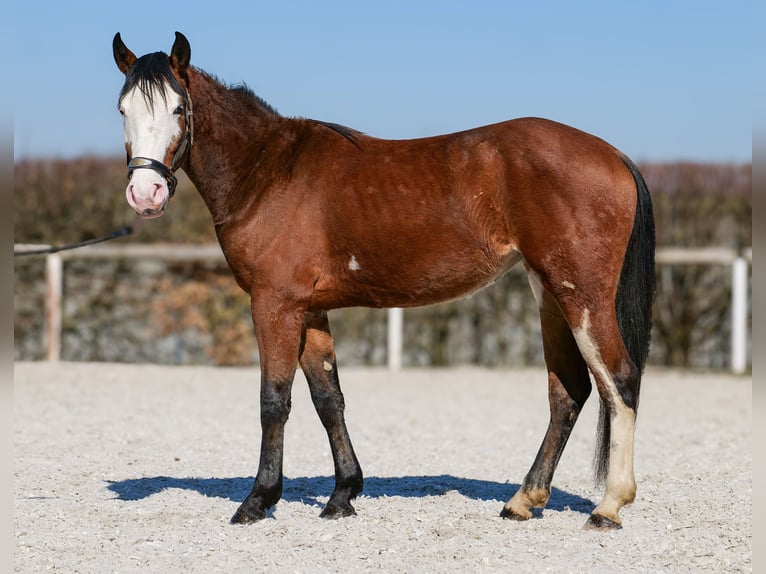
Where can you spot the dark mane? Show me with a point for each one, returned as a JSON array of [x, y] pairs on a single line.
[[149, 72], [242, 91], [350, 134], [245, 92]]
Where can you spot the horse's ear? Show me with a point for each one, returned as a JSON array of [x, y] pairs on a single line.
[[181, 53], [122, 55]]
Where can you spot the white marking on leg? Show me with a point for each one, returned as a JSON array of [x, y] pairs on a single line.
[[592, 356], [327, 366], [620, 473], [620, 481], [353, 264], [537, 287]]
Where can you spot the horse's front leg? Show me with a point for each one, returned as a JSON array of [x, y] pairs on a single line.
[[278, 331], [317, 360]]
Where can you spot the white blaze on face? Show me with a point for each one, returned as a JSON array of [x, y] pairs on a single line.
[[149, 131]]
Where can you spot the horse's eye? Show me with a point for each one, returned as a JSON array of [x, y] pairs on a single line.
[[179, 110]]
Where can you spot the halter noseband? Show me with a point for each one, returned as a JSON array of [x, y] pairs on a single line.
[[168, 173]]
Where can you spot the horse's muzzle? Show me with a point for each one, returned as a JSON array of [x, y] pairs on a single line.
[[148, 199]]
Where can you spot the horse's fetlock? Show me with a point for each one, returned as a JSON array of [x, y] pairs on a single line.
[[352, 483], [539, 497], [629, 495]]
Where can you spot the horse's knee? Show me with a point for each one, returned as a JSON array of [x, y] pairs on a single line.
[[275, 406]]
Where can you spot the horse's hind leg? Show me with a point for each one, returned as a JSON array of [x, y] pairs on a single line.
[[568, 388], [593, 320], [317, 359], [617, 378]]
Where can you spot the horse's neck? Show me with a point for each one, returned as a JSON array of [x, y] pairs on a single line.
[[228, 133]]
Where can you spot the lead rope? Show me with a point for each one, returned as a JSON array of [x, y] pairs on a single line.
[[121, 232]]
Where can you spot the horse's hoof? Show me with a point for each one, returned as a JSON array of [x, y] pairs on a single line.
[[598, 522], [248, 516], [333, 511], [509, 514]]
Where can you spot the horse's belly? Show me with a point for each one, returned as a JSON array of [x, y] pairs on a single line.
[[409, 283]]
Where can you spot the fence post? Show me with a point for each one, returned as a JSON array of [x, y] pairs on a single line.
[[739, 315], [395, 336], [54, 279]]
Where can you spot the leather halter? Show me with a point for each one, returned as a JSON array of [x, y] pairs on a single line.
[[168, 173]]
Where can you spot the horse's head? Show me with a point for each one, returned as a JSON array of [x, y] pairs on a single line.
[[157, 122]]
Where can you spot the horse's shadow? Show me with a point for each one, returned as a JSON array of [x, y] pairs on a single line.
[[309, 489]]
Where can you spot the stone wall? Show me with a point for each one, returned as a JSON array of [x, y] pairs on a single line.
[[151, 311]]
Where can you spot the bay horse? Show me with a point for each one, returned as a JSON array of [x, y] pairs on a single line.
[[313, 216]]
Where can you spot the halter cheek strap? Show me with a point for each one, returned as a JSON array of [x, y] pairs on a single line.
[[183, 148]]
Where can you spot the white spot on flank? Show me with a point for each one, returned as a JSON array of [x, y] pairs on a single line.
[[568, 285], [354, 264]]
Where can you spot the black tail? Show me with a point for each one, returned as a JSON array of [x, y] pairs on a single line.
[[635, 296]]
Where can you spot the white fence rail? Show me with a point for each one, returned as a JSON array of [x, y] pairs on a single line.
[[739, 263]]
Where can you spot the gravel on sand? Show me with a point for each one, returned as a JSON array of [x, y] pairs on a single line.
[[136, 468]]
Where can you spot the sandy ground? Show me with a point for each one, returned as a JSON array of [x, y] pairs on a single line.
[[124, 468]]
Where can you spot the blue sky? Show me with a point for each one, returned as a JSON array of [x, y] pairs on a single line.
[[660, 79]]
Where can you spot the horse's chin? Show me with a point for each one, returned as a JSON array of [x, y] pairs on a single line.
[[150, 213]]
